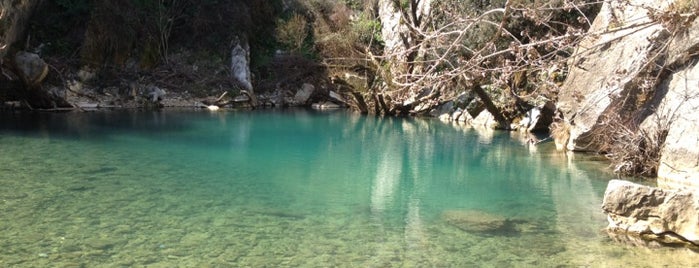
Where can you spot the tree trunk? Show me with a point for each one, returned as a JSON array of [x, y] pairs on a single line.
[[489, 105], [361, 104]]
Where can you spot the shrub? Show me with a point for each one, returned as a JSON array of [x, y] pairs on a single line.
[[292, 32]]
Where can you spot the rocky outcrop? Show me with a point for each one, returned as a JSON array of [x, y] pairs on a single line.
[[303, 94], [14, 17], [396, 33], [240, 63], [637, 77], [677, 102], [607, 68], [31, 68], [671, 216]]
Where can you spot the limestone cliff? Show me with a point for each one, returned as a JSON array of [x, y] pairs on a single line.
[[634, 80]]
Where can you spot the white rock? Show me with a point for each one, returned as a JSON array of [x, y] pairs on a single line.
[[640, 209]]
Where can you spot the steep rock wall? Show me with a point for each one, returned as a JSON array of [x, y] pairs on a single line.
[[605, 68], [638, 69]]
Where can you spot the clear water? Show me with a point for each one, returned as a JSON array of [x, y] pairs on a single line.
[[296, 189]]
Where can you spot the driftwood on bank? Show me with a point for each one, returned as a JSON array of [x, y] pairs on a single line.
[[222, 101]]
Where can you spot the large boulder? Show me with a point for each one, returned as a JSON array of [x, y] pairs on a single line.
[[240, 62], [31, 68], [485, 120], [642, 210], [303, 94]]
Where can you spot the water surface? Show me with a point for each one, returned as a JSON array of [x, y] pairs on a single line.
[[296, 188]]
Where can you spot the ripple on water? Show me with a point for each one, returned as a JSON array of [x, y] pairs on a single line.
[[194, 189]]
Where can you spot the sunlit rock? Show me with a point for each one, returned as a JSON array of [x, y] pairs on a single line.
[[643, 210], [613, 67], [337, 97], [456, 114], [327, 105], [677, 115], [486, 120]]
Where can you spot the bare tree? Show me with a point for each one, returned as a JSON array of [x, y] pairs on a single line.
[[448, 47]]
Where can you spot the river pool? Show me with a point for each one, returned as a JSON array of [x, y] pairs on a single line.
[[297, 188]]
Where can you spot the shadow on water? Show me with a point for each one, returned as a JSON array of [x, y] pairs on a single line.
[[97, 125]]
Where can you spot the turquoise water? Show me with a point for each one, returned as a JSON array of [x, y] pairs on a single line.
[[296, 188]]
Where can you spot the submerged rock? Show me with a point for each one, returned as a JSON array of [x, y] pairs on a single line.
[[477, 221], [643, 211]]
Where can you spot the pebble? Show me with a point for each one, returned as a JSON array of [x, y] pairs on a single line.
[[43, 255]]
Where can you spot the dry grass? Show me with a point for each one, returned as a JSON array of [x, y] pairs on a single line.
[[633, 151], [292, 32], [560, 132]]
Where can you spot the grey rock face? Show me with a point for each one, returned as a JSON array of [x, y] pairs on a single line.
[[642, 73], [643, 210], [606, 67], [31, 67], [240, 63], [303, 94]]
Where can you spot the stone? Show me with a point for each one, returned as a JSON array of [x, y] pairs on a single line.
[[644, 210], [358, 82], [676, 114], [456, 114], [607, 67], [476, 221], [473, 220], [445, 117], [31, 68], [538, 118], [486, 120], [155, 94], [86, 74], [304, 94], [325, 105], [337, 97], [100, 243], [240, 62], [446, 108], [465, 117]]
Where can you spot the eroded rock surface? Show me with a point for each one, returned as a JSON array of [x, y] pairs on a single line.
[[642, 210]]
